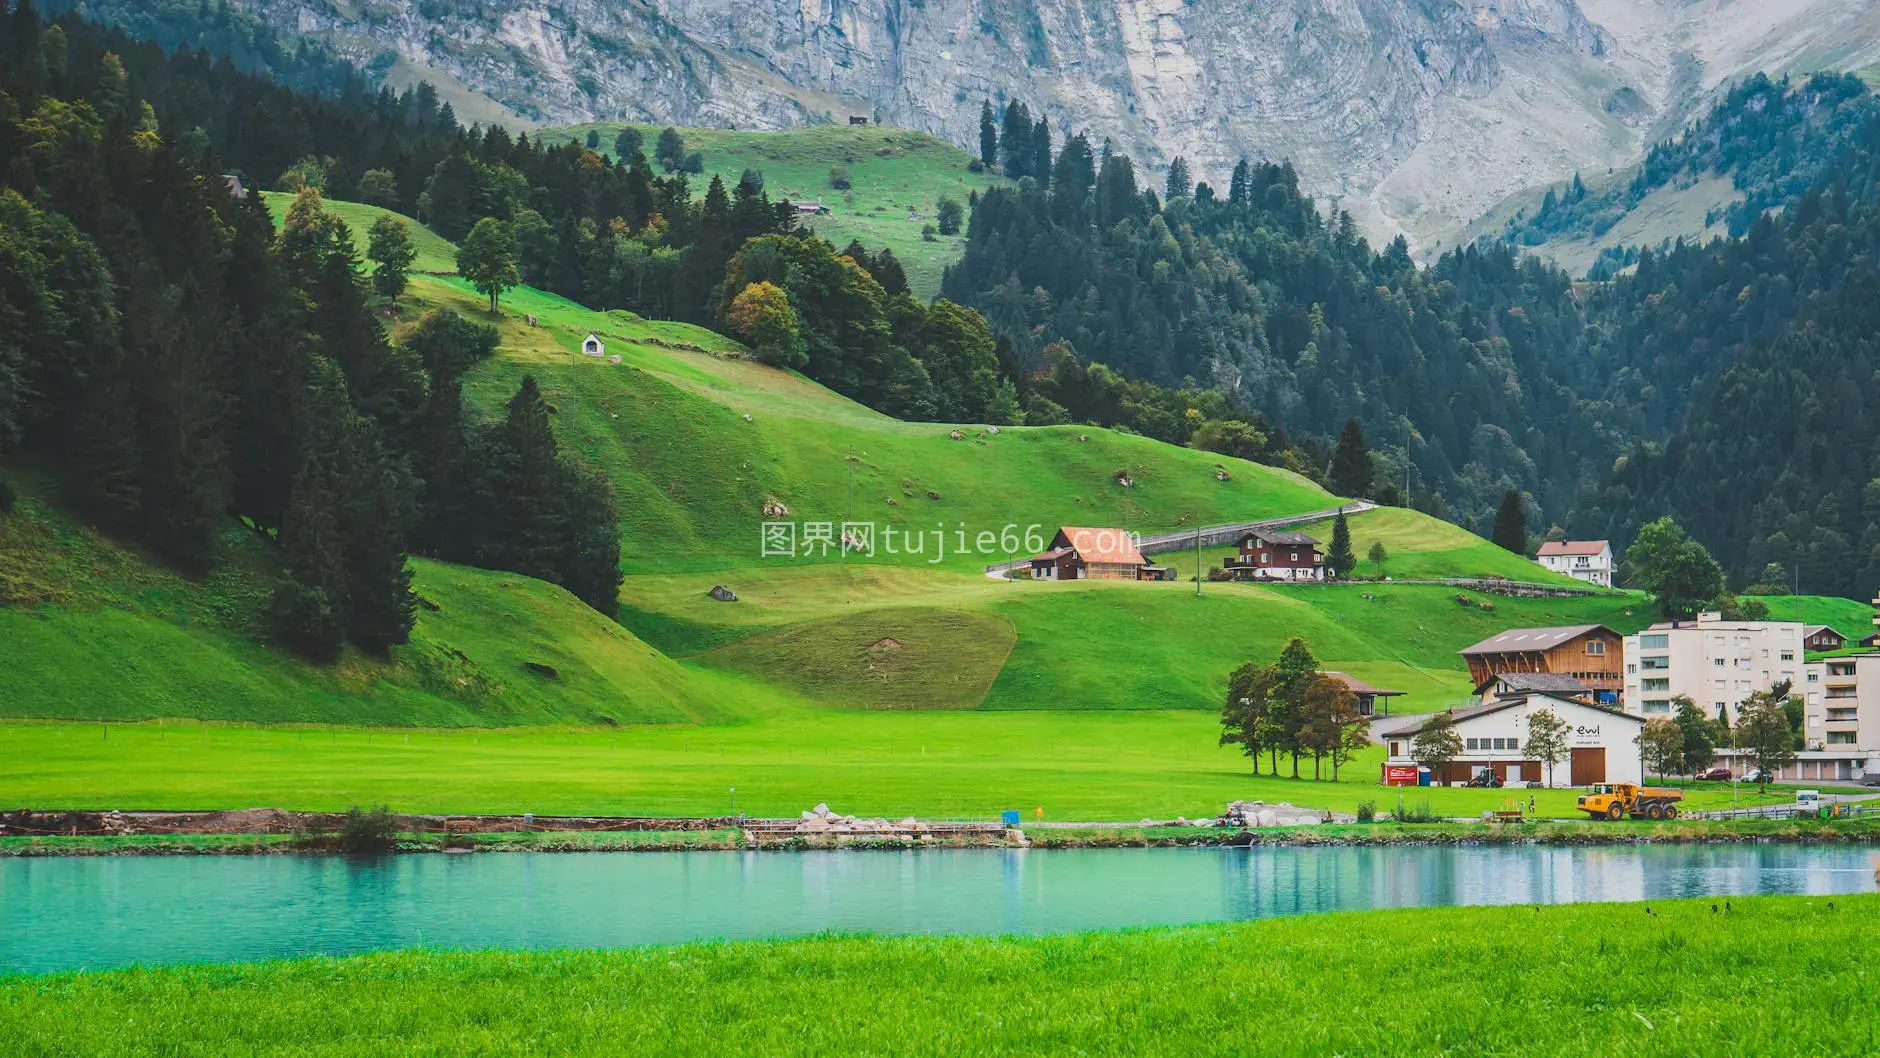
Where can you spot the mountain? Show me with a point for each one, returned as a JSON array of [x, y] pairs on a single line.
[[1419, 114]]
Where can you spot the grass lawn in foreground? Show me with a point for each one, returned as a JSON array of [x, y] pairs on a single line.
[[1777, 977], [939, 764]]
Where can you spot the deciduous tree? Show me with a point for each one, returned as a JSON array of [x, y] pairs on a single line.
[[389, 247], [1763, 729], [1437, 744], [1661, 746], [1548, 739]]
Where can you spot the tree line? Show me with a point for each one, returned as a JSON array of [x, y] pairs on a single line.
[[1290, 708], [187, 370]]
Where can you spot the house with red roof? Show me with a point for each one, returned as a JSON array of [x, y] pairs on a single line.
[[1587, 560], [1081, 552]]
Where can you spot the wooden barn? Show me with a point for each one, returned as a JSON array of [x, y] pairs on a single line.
[[1082, 553]]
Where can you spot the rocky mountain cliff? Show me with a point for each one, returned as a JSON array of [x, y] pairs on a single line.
[[1417, 114]]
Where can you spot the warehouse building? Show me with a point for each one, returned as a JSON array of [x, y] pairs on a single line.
[[1603, 744]]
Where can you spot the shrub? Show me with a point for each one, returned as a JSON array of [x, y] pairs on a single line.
[[1367, 811], [368, 830], [839, 178], [1421, 812], [928, 234]]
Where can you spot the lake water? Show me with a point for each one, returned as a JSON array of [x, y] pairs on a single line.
[[94, 912]]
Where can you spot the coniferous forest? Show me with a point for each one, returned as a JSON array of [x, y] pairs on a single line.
[[181, 362]]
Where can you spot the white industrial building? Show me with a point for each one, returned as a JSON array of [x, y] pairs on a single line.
[[1604, 744]]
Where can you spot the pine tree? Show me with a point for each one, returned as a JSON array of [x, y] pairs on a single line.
[[311, 604], [534, 507], [1510, 530], [1351, 471], [1179, 183], [988, 135], [590, 562], [1041, 151], [1239, 186], [1341, 559], [378, 582], [1014, 137]]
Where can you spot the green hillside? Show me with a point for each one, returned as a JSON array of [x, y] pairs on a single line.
[[896, 176], [693, 474], [97, 631], [435, 253]]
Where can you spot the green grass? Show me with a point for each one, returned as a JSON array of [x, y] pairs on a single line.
[[896, 177], [692, 475], [436, 254], [1423, 548], [1846, 616], [1578, 979], [1123, 765], [97, 631]]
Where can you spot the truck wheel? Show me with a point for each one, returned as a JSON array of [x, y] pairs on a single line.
[[1654, 811], [1671, 811], [1615, 812]]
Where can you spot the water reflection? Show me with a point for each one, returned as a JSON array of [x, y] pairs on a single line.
[[61, 913]]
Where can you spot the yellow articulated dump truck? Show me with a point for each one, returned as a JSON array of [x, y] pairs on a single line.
[[1618, 800]]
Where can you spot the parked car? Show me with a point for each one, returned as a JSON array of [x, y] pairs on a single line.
[[1760, 777], [1717, 774]]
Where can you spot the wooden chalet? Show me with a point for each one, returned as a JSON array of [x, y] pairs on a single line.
[[1822, 638], [1366, 694], [1591, 654], [1082, 553], [1273, 554]]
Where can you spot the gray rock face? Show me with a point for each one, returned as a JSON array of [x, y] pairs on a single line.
[[1418, 114]]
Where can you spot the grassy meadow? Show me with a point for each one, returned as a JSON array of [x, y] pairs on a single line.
[[1576, 979], [436, 255], [896, 177], [937, 763]]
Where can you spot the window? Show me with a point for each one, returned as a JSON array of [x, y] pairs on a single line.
[[1654, 642], [1596, 646], [1295, 556], [1654, 664], [1514, 743], [1631, 668], [1658, 685], [1716, 663], [1788, 655], [1657, 705], [1814, 677], [1840, 738], [1472, 744], [1396, 749]]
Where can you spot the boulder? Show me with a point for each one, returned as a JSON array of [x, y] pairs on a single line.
[[722, 593]]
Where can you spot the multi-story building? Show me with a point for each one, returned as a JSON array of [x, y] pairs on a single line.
[[1718, 663], [1587, 560], [1590, 654]]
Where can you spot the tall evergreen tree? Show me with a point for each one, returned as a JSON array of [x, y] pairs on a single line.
[[1179, 183], [1510, 529], [391, 250], [311, 606], [1351, 472], [1015, 139], [1041, 150], [988, 135], [534, 514], [379, 512], [1340, 558]]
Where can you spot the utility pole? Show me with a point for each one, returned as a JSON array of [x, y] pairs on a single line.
[[1197, 560]]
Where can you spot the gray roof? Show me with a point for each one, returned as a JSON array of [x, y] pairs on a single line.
[[1467, 712], [1358, 686], [1518, 640], [1543, 682]]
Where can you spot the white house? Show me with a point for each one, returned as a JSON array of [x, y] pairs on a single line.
[[1718, 663], [1587, 560], [1603, 744], [593, 346]]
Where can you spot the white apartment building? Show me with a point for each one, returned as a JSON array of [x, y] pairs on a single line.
[[1718, 663], [1587, 560]]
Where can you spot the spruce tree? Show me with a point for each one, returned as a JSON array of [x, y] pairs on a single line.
[[378, 582], [1041, 151], [1179, 183], [1510, 530], [988, 135], [1014, 137], [311, 605], [535, 510], [1351, 472], [1341, 558], [590, 562]]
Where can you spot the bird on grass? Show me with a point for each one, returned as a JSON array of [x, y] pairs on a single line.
[[1726, 907], [1649, 911], [1713, 909]]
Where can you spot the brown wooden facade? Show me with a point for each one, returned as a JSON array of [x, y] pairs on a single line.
[[1595, 657]]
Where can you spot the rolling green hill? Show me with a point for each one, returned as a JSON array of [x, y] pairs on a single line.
[[436, 254], [896, 176]]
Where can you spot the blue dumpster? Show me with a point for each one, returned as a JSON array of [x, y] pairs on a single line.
[[1009, 817], [1423, 776]]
